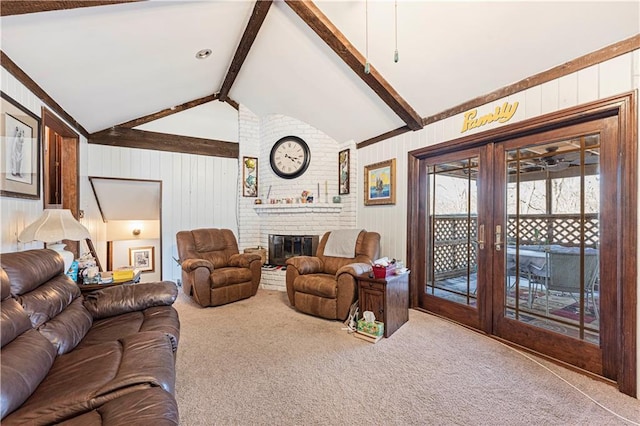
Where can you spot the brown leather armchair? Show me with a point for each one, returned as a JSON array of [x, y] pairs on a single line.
[[325, 286], [213, 271]]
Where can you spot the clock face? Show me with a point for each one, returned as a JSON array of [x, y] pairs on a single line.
[[290, 157]]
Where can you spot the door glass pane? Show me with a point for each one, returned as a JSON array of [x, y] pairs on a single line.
[[552, 256], [452, 226]]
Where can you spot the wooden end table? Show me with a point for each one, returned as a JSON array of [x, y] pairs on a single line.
[[387, 298]]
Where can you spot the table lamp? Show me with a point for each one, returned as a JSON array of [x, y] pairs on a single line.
[[52, 227]]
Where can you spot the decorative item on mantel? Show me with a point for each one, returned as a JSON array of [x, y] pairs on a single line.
[[306, 197]]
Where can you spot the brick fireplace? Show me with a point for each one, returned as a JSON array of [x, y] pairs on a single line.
[[277, 214], [293, 221], [282, 247]]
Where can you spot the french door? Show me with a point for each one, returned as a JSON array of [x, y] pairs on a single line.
[[520, 237], [457, 223], [554, 272]]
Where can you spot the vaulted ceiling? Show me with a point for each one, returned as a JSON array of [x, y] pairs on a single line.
[[129, 62]]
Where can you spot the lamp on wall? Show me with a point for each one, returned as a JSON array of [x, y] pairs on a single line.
[[52, 227]]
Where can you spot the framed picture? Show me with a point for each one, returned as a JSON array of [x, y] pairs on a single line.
[[380, 183], [19, 151], [249, 177], [343, 172], [142, 258]]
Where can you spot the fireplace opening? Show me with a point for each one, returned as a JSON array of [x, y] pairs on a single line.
[[282, 247]]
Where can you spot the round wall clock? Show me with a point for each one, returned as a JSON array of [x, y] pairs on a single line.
[[290, 157]]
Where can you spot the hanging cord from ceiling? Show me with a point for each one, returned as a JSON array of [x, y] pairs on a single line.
[[367, 66], [396, 57]]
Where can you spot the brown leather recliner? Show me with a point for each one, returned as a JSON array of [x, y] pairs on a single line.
[[213, 271], [325, 286]]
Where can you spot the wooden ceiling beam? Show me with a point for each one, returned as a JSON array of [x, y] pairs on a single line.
[[330, 34], [386, 135], [168, 111], [21, 7], [248, 37], [23, 78], [132, 138]]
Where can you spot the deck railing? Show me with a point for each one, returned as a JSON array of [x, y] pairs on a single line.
[[455, 251]]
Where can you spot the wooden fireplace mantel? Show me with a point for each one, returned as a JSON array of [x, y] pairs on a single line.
[[298, 208]]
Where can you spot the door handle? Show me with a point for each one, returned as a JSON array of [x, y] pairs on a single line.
[[498, 237], [480, 239]]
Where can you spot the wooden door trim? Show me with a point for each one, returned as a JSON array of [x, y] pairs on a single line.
[[623, 106], [70, 176]]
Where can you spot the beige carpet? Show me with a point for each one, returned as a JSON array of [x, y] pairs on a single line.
[[259, 362]]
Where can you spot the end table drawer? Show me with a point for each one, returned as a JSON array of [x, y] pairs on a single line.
[[373, 286]]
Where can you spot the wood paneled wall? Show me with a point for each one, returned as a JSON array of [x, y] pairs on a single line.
[[615, 76], [197, 191]]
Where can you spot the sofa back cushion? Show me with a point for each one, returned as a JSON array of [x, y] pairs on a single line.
[[27, 270], [52, 300], [366, 251], [25, 354], [212, 244]]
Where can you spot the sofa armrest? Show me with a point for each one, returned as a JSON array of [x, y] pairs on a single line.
[[243, 260], [355, 269], [306, 264], [193, 264], [121, 299]]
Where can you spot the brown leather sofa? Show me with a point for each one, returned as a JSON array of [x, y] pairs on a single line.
[[213, 271], [325, 286], [107, 358]]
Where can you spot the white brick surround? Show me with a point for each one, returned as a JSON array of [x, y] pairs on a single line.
[[256, 137]]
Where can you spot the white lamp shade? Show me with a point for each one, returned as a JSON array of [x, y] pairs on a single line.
[[54, 225]]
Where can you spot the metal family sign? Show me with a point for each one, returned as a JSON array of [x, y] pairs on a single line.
[[501, 114]]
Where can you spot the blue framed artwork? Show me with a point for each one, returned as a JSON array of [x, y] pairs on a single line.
[[380, 183]]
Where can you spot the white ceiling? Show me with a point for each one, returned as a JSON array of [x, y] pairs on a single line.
[[110, 64], [127, 199]]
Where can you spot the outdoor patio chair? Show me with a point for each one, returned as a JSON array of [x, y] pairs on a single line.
[[561, 273]]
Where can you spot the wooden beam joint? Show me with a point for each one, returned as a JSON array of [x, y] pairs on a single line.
[[337, 41], [248, 37]]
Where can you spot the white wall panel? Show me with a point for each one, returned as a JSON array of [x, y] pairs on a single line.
[[616, 75], [588, 84], [568, 91], [532, 102], [549, 96]]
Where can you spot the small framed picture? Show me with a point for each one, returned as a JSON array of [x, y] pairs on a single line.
[[142, 258], [249, 177], [343, 172], [19, 151], [380, 183]]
